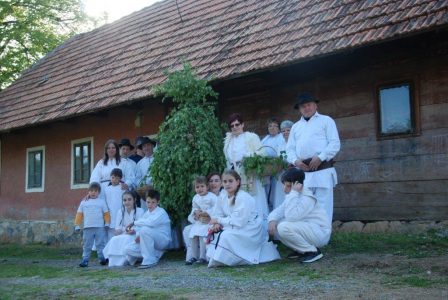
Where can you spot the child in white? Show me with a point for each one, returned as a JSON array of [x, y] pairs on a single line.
[[302, 224], [202, 206], [114, 194], [153, 233], [94, 214], [124, 233]]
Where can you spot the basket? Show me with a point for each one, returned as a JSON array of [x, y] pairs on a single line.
[[261, 166], [142, 190]]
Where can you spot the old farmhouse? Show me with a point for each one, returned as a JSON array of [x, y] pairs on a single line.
[[379, 68]]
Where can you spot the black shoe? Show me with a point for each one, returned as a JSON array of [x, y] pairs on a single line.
[[104, 261], [294, 255], [309, 257], [84, 263], [191, 261]]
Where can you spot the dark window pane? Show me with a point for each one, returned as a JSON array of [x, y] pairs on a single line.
[[35, 169], [81, 167], [395, 109]]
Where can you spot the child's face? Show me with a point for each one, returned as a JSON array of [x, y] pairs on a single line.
[[128, 201], [151, 203], [115, 180], [230, 183], [93, 193], [201, 189], [287, 187]]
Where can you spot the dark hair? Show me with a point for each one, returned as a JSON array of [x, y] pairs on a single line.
[[211, 174], [273, 120], [123, 208], [116, 172], [200, 180], [117, 152], [95, 186], [293, 175], [235, 117], [237, 176], [153, 194]]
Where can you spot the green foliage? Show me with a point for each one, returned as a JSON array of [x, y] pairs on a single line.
[[264, 165], [190, 141], [31, 28]]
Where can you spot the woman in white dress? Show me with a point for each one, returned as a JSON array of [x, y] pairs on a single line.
[[237, 145], [239, 238], [115, 248], [110, 161]]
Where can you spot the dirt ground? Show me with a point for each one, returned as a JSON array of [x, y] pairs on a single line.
[[336, 276]]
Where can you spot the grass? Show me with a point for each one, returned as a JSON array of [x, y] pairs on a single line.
[[39, 251]]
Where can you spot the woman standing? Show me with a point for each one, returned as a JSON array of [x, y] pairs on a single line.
[[239, 237], [237, 145], [110, 161]]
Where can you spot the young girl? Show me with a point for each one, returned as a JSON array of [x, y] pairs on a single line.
[[242, 240], [202, 206], [129, 212]]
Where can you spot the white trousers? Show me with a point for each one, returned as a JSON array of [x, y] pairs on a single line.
[[151, 246], [324, 197], [302, 236]]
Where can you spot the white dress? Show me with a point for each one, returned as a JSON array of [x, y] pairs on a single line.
[[115, 248], [242, 240], [205, 203], [101, 173], [114, 195]]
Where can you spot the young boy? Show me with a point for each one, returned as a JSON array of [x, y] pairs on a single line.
[[153, 233], [302, 224], [94, 215], [114, 195]]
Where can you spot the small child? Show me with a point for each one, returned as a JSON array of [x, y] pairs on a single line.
[[202, 206], [94, 215], [114, 194]]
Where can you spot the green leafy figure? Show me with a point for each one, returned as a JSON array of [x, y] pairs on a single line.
[[190, 140]]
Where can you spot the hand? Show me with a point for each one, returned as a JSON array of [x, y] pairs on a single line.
[[196, 214], [77, 229], [137, 240], [217, 227], [124, 186], [299, 164], [315, 163], [204, 218], [272, 228], [131, 232], [213, 221]]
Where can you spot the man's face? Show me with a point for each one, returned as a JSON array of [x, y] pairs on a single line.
[[147, 149], [125, 151], [308, 109]]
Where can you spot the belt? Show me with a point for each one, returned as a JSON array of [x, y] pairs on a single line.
[[324, 165]]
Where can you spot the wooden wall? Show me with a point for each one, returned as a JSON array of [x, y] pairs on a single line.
[[379, 179]]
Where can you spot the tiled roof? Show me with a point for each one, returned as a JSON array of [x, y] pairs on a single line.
[[118, 62]]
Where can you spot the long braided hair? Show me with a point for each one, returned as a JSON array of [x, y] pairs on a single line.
[[237, 177], [123, 208]]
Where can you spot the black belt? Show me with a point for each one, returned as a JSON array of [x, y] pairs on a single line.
[[324, 165]]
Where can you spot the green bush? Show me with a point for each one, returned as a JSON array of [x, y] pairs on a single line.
[[190, 141]]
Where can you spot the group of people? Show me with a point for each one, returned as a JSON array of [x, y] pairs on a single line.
[[234, 215]]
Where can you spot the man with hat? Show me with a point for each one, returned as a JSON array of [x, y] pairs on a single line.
[[313, 143], [144, 164], [126, 147], [138, 151]]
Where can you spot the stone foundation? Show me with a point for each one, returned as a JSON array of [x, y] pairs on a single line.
[[61, 232]]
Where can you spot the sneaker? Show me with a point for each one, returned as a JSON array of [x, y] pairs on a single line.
[[84, 263], [147, 266], [191, 261], [294, 255], [104, 261], [310, 257], [201, 261]]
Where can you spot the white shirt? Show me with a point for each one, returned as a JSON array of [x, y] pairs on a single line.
[[114, 200], [124, 218], [274, 143], [101, 172], [157, 219], [93, 211], [237, 148], [142, 169], [317, 136], [205, 203]]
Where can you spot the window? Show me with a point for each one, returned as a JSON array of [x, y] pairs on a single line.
[[35, 169], [82, 162], [396, 110]]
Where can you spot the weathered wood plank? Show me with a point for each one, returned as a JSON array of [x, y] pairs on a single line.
[[387, 213], [429, 142], [402, 168], [434, 116], [392, 194]]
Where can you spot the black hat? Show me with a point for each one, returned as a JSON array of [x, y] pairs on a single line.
[[303, 98], [293, 175], [126, 142], [147, 140]]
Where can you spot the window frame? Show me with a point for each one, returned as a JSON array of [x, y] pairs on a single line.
[[74, 185], [414, 108], [40, 189]]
